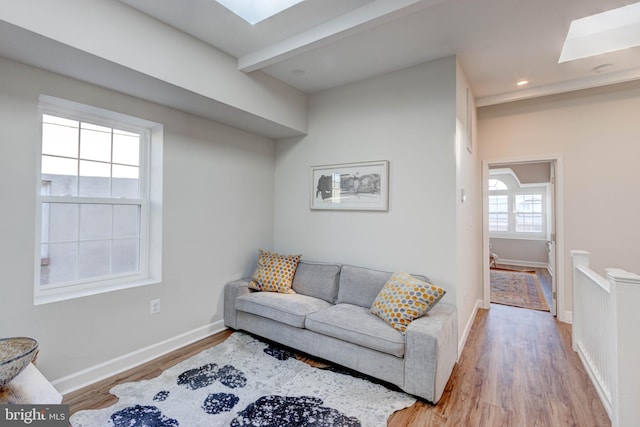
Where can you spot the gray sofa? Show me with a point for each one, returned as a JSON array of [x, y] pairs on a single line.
[[328, 317]]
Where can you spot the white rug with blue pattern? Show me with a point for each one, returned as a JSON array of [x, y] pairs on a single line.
[[245, 382]]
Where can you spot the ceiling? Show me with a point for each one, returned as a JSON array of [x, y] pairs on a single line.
[[320, 44], [204, 60]]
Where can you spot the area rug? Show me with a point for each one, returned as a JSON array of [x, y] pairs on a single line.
[[518, 289], [245, 382], [511, 267]]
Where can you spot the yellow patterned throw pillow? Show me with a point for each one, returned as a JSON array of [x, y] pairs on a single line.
[[405, 298], [274, 273]]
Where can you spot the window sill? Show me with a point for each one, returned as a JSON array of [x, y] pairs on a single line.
[[511, 237], [62, 294]]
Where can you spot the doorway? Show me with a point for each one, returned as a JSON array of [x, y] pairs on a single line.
[[522, 223]]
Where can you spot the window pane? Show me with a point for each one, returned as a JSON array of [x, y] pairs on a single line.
[[63, 261], [93, 259], [95, 222], [46, 118], [498, 222], [529, 223], [60, 140], [126, 256], [528, 214], [496, 184], [94, 179], [85, 240], [126, 148], [62, 224], [126, 220], [499, 203], [63, 174], [529, 203], [125, 182], [95, 144]]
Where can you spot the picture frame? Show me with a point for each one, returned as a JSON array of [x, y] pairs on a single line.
[[350, 186]]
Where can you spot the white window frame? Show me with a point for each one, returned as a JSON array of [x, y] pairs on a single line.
[[515, 188], [150, 202]]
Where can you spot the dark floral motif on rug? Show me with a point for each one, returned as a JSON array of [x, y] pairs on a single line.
[[206, 375], [279, 352], [285, 411], [142, 416], [161, 396], [218, 403]]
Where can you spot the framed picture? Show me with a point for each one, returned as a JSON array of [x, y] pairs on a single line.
[[351, 186]]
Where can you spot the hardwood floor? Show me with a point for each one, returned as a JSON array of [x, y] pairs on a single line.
[[517, 369], [545, 282]]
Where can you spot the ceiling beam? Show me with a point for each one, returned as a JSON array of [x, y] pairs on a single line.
[[370, 15]]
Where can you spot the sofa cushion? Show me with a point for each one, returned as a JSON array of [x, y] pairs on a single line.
[[360, 286], [318, 280], [274, 272], [405, 298], [291, 309], [357, 325]]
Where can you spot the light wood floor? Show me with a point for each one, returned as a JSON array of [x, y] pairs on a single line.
[[517, 369]]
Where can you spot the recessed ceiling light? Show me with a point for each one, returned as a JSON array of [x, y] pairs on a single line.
[[605, 32], [522, 82], [254, 11]]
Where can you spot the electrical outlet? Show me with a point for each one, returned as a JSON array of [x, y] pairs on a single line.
[[154, 306]]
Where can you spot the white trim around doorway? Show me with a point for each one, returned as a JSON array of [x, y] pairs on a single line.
[[563, 314]]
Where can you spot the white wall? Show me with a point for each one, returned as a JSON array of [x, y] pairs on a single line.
[[409, 118], [218, 209], [526, 252], [122, 35], [597, 132], [468, 212]]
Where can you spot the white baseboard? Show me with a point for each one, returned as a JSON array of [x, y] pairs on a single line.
[[112, 367], [567, 317], [523, 263], [467, 328]]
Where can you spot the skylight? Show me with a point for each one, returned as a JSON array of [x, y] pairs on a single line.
[[254, 11], [605, 32]]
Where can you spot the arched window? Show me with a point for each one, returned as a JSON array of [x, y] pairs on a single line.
[[496, 184]]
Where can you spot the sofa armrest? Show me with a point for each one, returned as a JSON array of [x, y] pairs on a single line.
[[232, 290], [431, 352]]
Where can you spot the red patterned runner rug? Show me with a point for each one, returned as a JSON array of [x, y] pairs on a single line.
[[518, 289]]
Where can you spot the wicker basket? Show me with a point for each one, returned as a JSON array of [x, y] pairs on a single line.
[[15, 354]]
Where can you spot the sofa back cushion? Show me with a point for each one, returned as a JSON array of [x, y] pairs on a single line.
[[317, 279], [360, 285]]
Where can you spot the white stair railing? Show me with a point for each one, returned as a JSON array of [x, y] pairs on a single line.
[[606, 336]]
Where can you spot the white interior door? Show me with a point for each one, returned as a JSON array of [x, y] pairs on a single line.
[[552, 242]]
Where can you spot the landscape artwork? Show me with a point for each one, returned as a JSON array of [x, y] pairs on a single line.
[[351, 186]]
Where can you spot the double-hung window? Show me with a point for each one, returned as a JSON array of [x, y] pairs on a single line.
[[498, 206], [94, 197], [528, 213]]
